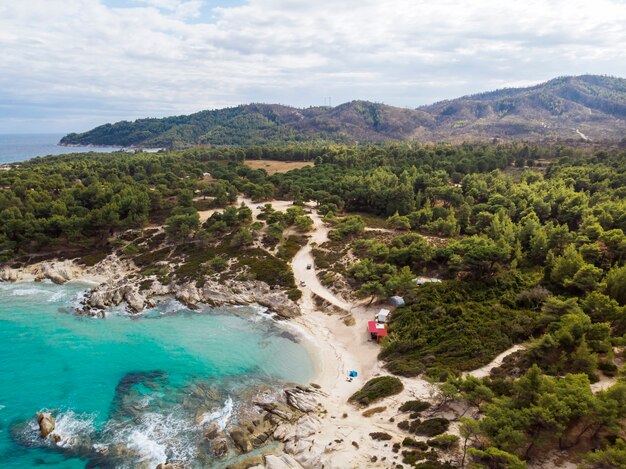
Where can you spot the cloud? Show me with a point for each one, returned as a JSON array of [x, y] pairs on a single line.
[[79, 63]]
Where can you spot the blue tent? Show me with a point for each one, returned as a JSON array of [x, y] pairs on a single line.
[[353, 374]]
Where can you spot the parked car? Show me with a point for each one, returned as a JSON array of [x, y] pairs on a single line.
[[302, 283], [308, 266]]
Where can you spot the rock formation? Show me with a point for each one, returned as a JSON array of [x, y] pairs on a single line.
[[46, 423]]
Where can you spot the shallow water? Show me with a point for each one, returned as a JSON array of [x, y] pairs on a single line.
[[129, 391]]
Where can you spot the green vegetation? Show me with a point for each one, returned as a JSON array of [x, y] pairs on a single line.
[[513, 112], [376, 389]]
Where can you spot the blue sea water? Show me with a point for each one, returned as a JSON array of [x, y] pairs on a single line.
[[128, 391], [22, 147]]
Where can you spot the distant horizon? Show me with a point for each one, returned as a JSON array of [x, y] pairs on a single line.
[[164, 115]]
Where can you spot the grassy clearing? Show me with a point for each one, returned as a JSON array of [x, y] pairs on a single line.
[[273, 167]]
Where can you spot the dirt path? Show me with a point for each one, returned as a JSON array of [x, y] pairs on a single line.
[[496, 362], [338, 349]]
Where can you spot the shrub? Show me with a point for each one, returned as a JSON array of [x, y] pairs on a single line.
[[414, 406], [380, 436], [376, 389], [432, 427], [445, 441], [413, 443]]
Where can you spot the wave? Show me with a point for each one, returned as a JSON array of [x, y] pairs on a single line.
[[30, 292], [73, 428], [58, 296], [221, 416], [157, 438]]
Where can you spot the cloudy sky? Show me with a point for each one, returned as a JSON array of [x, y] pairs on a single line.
[[68, 65]]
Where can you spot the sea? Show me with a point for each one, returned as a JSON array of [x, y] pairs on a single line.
[[132, 391], [21, 147]]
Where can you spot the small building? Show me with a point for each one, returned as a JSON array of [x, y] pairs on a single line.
[[396, 301], [377, 330], [383, 315]]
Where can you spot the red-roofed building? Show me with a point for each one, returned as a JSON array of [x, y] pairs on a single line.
[[376, 330]]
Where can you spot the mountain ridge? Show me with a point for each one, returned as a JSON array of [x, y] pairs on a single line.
[[588, 107]]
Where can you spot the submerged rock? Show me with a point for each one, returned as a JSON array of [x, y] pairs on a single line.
[[46, 423]]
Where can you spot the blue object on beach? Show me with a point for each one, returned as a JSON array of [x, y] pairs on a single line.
[[353, 374]]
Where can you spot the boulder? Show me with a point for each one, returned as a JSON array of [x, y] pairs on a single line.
[[241, 442], [281, 462], [301, 400], [220, 448], [307, 425], [9, 275], [58, 272], [46, 423]]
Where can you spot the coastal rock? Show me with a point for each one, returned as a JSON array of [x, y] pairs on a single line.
[[188, 294], [112, 294], [307, 425], [220, 448], [281, 462], [58, 272], [301, 400], [46, 423], [280, 411], [9, 275], [241, 442]]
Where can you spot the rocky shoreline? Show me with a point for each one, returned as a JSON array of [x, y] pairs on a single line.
[[118, 283]]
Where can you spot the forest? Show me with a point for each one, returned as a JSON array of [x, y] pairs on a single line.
[[529, 242]]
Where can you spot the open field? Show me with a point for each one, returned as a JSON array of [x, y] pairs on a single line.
[[273, 167]]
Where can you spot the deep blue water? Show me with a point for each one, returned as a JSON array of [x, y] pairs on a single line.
[[21, 147], [127, 391]]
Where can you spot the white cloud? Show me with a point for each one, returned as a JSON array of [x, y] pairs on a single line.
[[101, 60]]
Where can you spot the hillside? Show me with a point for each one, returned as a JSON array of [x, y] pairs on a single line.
[[585, 107]]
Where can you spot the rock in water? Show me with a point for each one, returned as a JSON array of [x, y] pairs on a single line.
[[46, 423]]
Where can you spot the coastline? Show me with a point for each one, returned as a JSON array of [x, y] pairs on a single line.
[[323, 429]]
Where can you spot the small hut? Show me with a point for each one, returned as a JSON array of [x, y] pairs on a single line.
[[383, 315], [377, 330], [396, 301]]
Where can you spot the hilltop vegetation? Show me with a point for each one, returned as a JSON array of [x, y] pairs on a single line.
[[571, 108]]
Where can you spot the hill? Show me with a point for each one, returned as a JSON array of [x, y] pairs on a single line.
[[584, 107]]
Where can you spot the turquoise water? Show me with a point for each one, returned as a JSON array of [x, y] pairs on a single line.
[[129, 392]]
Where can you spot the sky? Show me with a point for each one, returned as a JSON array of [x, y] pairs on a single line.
[[69, 65]]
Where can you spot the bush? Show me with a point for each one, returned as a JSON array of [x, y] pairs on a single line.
[[412, 443], [445, 441], [376, 389], [380, 436], [432, 427], [414, 406]]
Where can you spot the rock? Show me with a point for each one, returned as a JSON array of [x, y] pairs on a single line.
[[307, 425], [281, 462], [9, 275], [281, 412], [241, 441], [188, 294], [212, 432], [220, 448], [58, 272], [301, 400], [285, 432], [46, 423], [136, 301]]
